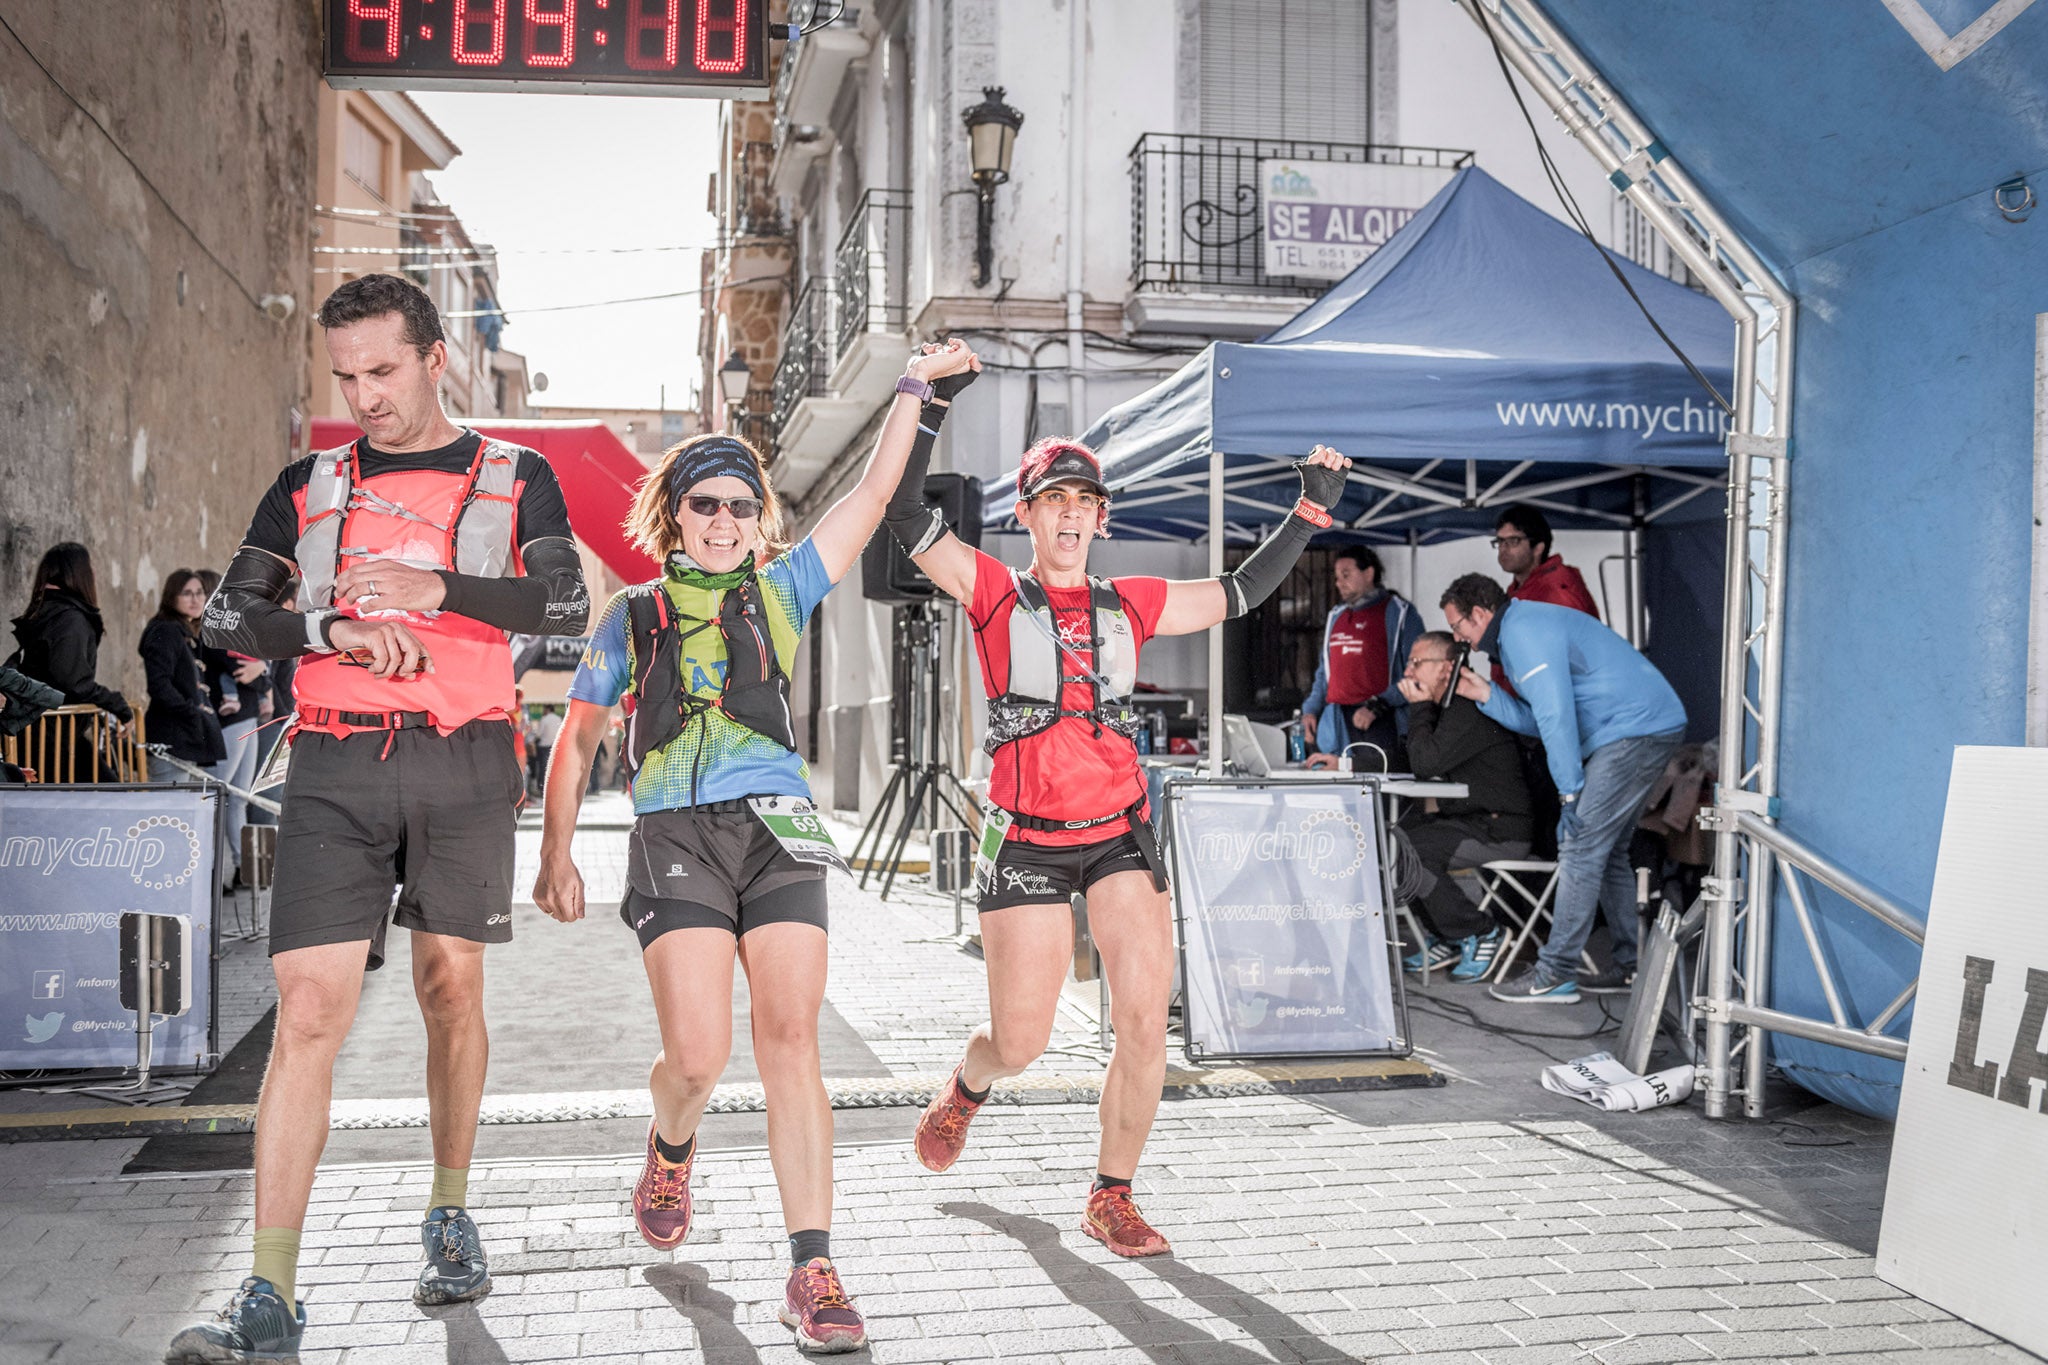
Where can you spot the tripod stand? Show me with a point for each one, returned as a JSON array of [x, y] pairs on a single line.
[[916, 753]]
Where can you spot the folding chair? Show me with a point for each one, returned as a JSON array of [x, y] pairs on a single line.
[[1410, 929], [1514, 891]]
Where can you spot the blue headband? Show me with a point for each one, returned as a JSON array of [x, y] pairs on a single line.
[[708, 460]]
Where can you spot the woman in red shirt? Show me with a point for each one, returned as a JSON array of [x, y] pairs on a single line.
[[1059, 654]]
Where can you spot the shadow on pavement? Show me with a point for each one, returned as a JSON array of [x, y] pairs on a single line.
[[711, 1313], [469, 1341], [1152, 1329]]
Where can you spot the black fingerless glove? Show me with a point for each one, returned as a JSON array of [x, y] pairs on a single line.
[[1321, 484]]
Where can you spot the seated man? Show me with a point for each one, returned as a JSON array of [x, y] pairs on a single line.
[[1451, 740]]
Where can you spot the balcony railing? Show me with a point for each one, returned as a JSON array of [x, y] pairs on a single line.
[[806, 351], [756, 420], [873, 265], [1198, 210]]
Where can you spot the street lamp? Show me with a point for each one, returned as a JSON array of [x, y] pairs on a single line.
[[991, 137], [734, 379]]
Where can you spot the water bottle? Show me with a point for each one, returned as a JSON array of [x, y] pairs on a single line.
[[1297, 743], [1143, 739], [1157, 725]]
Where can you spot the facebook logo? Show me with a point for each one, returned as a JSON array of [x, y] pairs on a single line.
[[46, 985]]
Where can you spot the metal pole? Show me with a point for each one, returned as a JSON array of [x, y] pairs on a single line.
[[1213, 759]]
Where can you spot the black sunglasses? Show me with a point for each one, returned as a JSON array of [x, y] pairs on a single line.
[[746, 509]]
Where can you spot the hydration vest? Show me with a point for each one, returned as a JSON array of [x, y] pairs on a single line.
[[460, 521], [1041, 667], [659, 707]]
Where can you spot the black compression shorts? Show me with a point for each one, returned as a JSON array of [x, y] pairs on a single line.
[[716, 868], [1028, 874]]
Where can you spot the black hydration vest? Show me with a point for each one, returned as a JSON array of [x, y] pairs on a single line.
[[1039, 667], [756, 692]]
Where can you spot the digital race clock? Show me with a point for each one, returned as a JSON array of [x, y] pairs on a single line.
[[710, 48]]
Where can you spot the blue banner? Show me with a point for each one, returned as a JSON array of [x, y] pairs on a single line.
[[72, 861], [1282, 903]]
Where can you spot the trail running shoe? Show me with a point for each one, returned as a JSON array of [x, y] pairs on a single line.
[[1439, 954], [1612, 981], [256, 1325], [1536, 985], [661, 1199], [455, 1271], [942, 1128], [816, 1308], [1112, 1218], [1476, 955]]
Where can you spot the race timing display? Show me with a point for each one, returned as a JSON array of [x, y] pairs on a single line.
[[706, 48]]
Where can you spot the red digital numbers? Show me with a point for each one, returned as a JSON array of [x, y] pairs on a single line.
[[562, 19], [473, 17], [380, 12], [734, 24], [660, 18]]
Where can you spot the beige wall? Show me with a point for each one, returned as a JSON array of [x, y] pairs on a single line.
[[146, 398]]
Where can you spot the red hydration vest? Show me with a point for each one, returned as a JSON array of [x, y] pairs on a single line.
[[430, 519]]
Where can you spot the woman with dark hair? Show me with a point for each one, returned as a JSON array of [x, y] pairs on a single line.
[[720, 860], [181, 715], [240, 687], [61, 630]]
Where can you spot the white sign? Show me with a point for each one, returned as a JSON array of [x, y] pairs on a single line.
[[1966, 1210], [1323, 217]]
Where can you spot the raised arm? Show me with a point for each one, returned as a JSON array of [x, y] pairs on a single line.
[[1201, 603], [905, 439], [919, 527]]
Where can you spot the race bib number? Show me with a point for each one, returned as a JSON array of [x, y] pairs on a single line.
[[795, 824], [995, 827], [273, 770]]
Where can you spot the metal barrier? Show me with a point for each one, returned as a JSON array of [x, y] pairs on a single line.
[[79, 744]]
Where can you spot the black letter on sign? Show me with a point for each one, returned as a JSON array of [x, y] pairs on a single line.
[[2028, 1063], [1965, 1072]]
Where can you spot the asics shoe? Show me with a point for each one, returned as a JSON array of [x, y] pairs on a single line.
[[1437, 955], [1476, 955], [816, 1308], [1112, 1218], [942, 1128], [1536, 985], [256, 1325], [455, 1271], [661, 1199]]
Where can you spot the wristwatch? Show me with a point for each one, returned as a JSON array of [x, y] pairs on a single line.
[[920, 389]]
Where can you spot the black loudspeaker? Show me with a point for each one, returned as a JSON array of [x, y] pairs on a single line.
[[886, 573]]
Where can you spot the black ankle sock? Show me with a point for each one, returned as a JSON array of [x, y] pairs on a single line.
[[675, 1155], [1111, 1182], [971, 1096], [806, 1246]]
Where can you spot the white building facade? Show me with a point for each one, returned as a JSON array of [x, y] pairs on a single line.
[[1129, 235]]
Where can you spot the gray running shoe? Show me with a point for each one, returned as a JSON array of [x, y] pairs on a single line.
[[1536, 985], [455, 1271], [1610, 981], [256, 1325]]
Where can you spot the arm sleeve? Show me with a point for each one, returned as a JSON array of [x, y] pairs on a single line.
[[914, 521], [243, 614], [550, 599]]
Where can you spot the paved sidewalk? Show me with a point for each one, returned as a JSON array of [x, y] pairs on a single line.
[[1484, 1223]]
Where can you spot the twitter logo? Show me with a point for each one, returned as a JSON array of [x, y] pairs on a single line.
[[42, 1030]]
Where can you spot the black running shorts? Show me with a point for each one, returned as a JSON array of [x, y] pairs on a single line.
[[715, 867], [434, 816], [1028, 874]]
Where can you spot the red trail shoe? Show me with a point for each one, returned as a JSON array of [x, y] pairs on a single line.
[[816, 1308], [1113, 1220], [942, 1129], [661, 1199]]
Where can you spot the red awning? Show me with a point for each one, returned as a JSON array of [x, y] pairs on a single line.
[[598, 476]]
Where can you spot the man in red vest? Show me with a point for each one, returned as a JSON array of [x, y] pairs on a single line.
[[1521, 542], [419, 547]]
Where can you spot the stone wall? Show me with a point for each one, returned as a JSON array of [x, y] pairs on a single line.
[[156, 172]]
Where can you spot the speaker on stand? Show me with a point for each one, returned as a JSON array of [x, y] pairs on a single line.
[[921, 778]]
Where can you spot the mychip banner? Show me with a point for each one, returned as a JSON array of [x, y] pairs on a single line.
[[1282, 905], [72, 861], [1324, 217]]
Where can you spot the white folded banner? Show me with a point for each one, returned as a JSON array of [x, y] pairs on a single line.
[[1602, 1081]]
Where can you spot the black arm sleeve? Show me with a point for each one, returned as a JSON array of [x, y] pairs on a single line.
[[244, 616], [550, 600], [914, 521], [1263, 571]]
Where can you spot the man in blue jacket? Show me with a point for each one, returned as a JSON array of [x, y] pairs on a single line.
[[1609, 723], [1357, 697]]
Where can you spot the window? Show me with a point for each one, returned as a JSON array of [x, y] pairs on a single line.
[[364, 154], [1287, 68]]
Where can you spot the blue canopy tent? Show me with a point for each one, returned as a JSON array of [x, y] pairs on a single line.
[[1485, 355]]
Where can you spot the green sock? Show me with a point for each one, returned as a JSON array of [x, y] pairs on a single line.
[[451, 1188], [277, 1260]]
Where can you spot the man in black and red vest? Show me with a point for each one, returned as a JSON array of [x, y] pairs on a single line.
[[418, 547]]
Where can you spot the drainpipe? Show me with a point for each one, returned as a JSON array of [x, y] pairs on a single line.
[[1077, 188]]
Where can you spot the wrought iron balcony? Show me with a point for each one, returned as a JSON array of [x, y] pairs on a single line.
[[872, 266], [755, 421], [806, 361], [1198, 208]]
